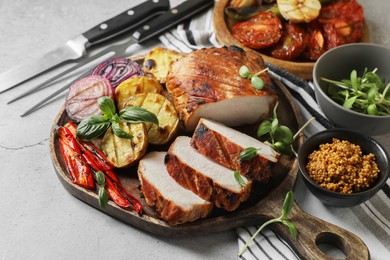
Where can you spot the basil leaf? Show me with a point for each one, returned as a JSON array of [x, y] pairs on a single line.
[[115, 119], [107, 106], [264, 128], [291, 227], [248, 154], [135, 114], [100, 179], [103, 197], [117, 130], [239, 179], [287, 204], [92, 127], [282, 147]]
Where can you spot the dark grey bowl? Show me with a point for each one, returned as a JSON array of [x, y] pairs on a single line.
[[337, 64], [367, 144]]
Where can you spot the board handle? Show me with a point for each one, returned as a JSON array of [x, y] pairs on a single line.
[[313, 231]]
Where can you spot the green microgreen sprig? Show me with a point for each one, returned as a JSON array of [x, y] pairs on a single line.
[[103, 196], [367, 94], [282, 138], [286, 209], [95, 125], [256, 81]]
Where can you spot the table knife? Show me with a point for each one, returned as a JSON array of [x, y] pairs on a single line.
[[121, 47], [76, 47], [148, 30]]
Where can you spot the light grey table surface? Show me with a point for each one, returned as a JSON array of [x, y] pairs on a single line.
[[39, 219]]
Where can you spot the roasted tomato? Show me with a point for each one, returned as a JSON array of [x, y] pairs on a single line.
[[316, 45], [261, 31], [292, 43], [342, 22]]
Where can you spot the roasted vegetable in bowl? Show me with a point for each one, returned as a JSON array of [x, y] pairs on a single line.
[[299, 30]]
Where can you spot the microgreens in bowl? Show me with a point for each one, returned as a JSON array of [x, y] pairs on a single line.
[[367, 94]]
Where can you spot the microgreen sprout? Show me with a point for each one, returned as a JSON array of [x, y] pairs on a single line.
[[282, 138], [367, 94], [286, 209], [256, 81]]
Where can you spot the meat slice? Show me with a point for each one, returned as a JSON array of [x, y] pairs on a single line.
[[206, 83], [206, 178], [172, 202], [224, 145]]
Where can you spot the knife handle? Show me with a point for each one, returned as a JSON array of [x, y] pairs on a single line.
[[126, 21], [170, 18]]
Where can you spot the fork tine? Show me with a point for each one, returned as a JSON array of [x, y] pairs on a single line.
[[81, 63], [51, 96]]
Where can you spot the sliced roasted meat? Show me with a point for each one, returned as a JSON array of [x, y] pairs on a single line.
[[224, 145], [206, 83], [206, 178], [172, 202]]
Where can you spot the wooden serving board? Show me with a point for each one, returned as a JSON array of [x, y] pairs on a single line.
[[223, 24], [265, 201]]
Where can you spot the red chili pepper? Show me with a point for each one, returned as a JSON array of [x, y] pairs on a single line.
[[78, 170]]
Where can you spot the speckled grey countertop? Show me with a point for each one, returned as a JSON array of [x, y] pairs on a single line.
[[39, 218]]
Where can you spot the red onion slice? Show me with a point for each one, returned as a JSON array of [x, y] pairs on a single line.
[[81, 101], [117, 70]]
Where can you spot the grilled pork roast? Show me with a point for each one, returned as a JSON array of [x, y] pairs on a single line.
[[206, 178], [206, 83], [171, 202], [224, 145]]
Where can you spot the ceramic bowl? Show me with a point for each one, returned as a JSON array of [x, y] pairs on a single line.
[[367, 144], [337, 64]]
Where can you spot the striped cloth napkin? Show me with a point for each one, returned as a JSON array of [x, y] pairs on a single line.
[[370, 220]]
